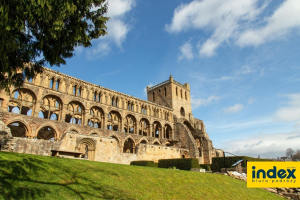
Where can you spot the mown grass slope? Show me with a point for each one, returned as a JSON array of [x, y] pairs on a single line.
[[39, 177]]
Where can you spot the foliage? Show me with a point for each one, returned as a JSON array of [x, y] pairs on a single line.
[[207, 167], [143, 163], [218, 162], [24, 176], [35, 33], [180, 163]]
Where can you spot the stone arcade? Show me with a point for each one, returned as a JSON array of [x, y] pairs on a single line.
[[56, 114]]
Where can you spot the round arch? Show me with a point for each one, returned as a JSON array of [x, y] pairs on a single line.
[[18, 129], [114, 120], [156, 142], [129, 145], [87, 147], [43, 132], [157, 129]]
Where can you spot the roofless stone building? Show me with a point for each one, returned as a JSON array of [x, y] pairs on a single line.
[[56, 114]]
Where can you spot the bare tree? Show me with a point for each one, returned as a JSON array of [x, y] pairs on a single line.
[[289, 153], [296, 155]]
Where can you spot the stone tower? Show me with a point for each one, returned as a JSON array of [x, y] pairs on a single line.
[[172, 94]]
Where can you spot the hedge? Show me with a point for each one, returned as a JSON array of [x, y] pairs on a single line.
[[144, 163], [206, 167], [180, 163], [218, 162]]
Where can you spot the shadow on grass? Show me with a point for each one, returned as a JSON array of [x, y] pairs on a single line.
[[17, 181]]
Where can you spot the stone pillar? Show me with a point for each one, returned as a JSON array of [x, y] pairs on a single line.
[[63, 112], [85, 117], [105, 121], [151, 129]]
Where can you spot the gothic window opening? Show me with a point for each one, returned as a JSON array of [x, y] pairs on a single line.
[[128, 146], [51, 83], [96, 117], [22, 102], [99, 98], [176, 92], [145, 127], [79, 91], [165, 91], [74, 90], [185, 96], [57, 85], [46, 133], [181, 93], [114, 120], [18, 129], [168, 131], [95, 96], [74, 113], [182, 112], [156, 129], [130, 124]]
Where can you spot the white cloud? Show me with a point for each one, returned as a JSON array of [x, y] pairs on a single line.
[[291, 112], [233, 109], [220, 17], [186, 51], [117, 29], [100, 51], [145, 89], [245, 70], [251, 100], [265, 145], [283, 20], [203, 102], [235, 21]]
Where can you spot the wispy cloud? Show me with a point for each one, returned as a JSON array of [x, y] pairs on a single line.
[[197, 102], [235, 22], [117, 29], [283, 20], [290, 112], [265, 145], [221, 18], [186, 51], [233, 109], [251, 100]]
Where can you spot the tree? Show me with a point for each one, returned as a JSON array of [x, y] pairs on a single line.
[[296, 156], [289, 152], [39, 32]]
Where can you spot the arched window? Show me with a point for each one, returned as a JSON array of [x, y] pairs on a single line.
[[95, 96], [182, 112], [113, 101], [30, 80], [132, 106], [181, 93], [128, 106], [165, 91], [57, 85], [185, 96], [117, 102], [176, 91], [51, 83], [99, 97], [74, 90], [79, 91]]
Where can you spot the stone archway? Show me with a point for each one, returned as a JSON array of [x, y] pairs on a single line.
[[87, 147]]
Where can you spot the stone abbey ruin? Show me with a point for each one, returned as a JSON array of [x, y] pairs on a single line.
[[59, 115]]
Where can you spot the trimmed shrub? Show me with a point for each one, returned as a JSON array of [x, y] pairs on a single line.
[[180, 163], [147, 163], [206, 167], [218, 162]]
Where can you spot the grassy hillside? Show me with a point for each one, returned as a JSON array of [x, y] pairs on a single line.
[[38, 177]]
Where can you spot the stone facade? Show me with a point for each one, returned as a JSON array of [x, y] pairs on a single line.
[[58, 112]]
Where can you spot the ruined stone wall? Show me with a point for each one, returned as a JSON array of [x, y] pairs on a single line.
[[57, 109], [30, 146]]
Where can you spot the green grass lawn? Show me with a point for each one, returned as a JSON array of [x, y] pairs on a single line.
[[25, 176]]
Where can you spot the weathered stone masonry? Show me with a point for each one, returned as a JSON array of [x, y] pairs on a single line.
[[55, 111]]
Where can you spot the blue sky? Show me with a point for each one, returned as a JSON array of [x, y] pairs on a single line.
[[241, 59]]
